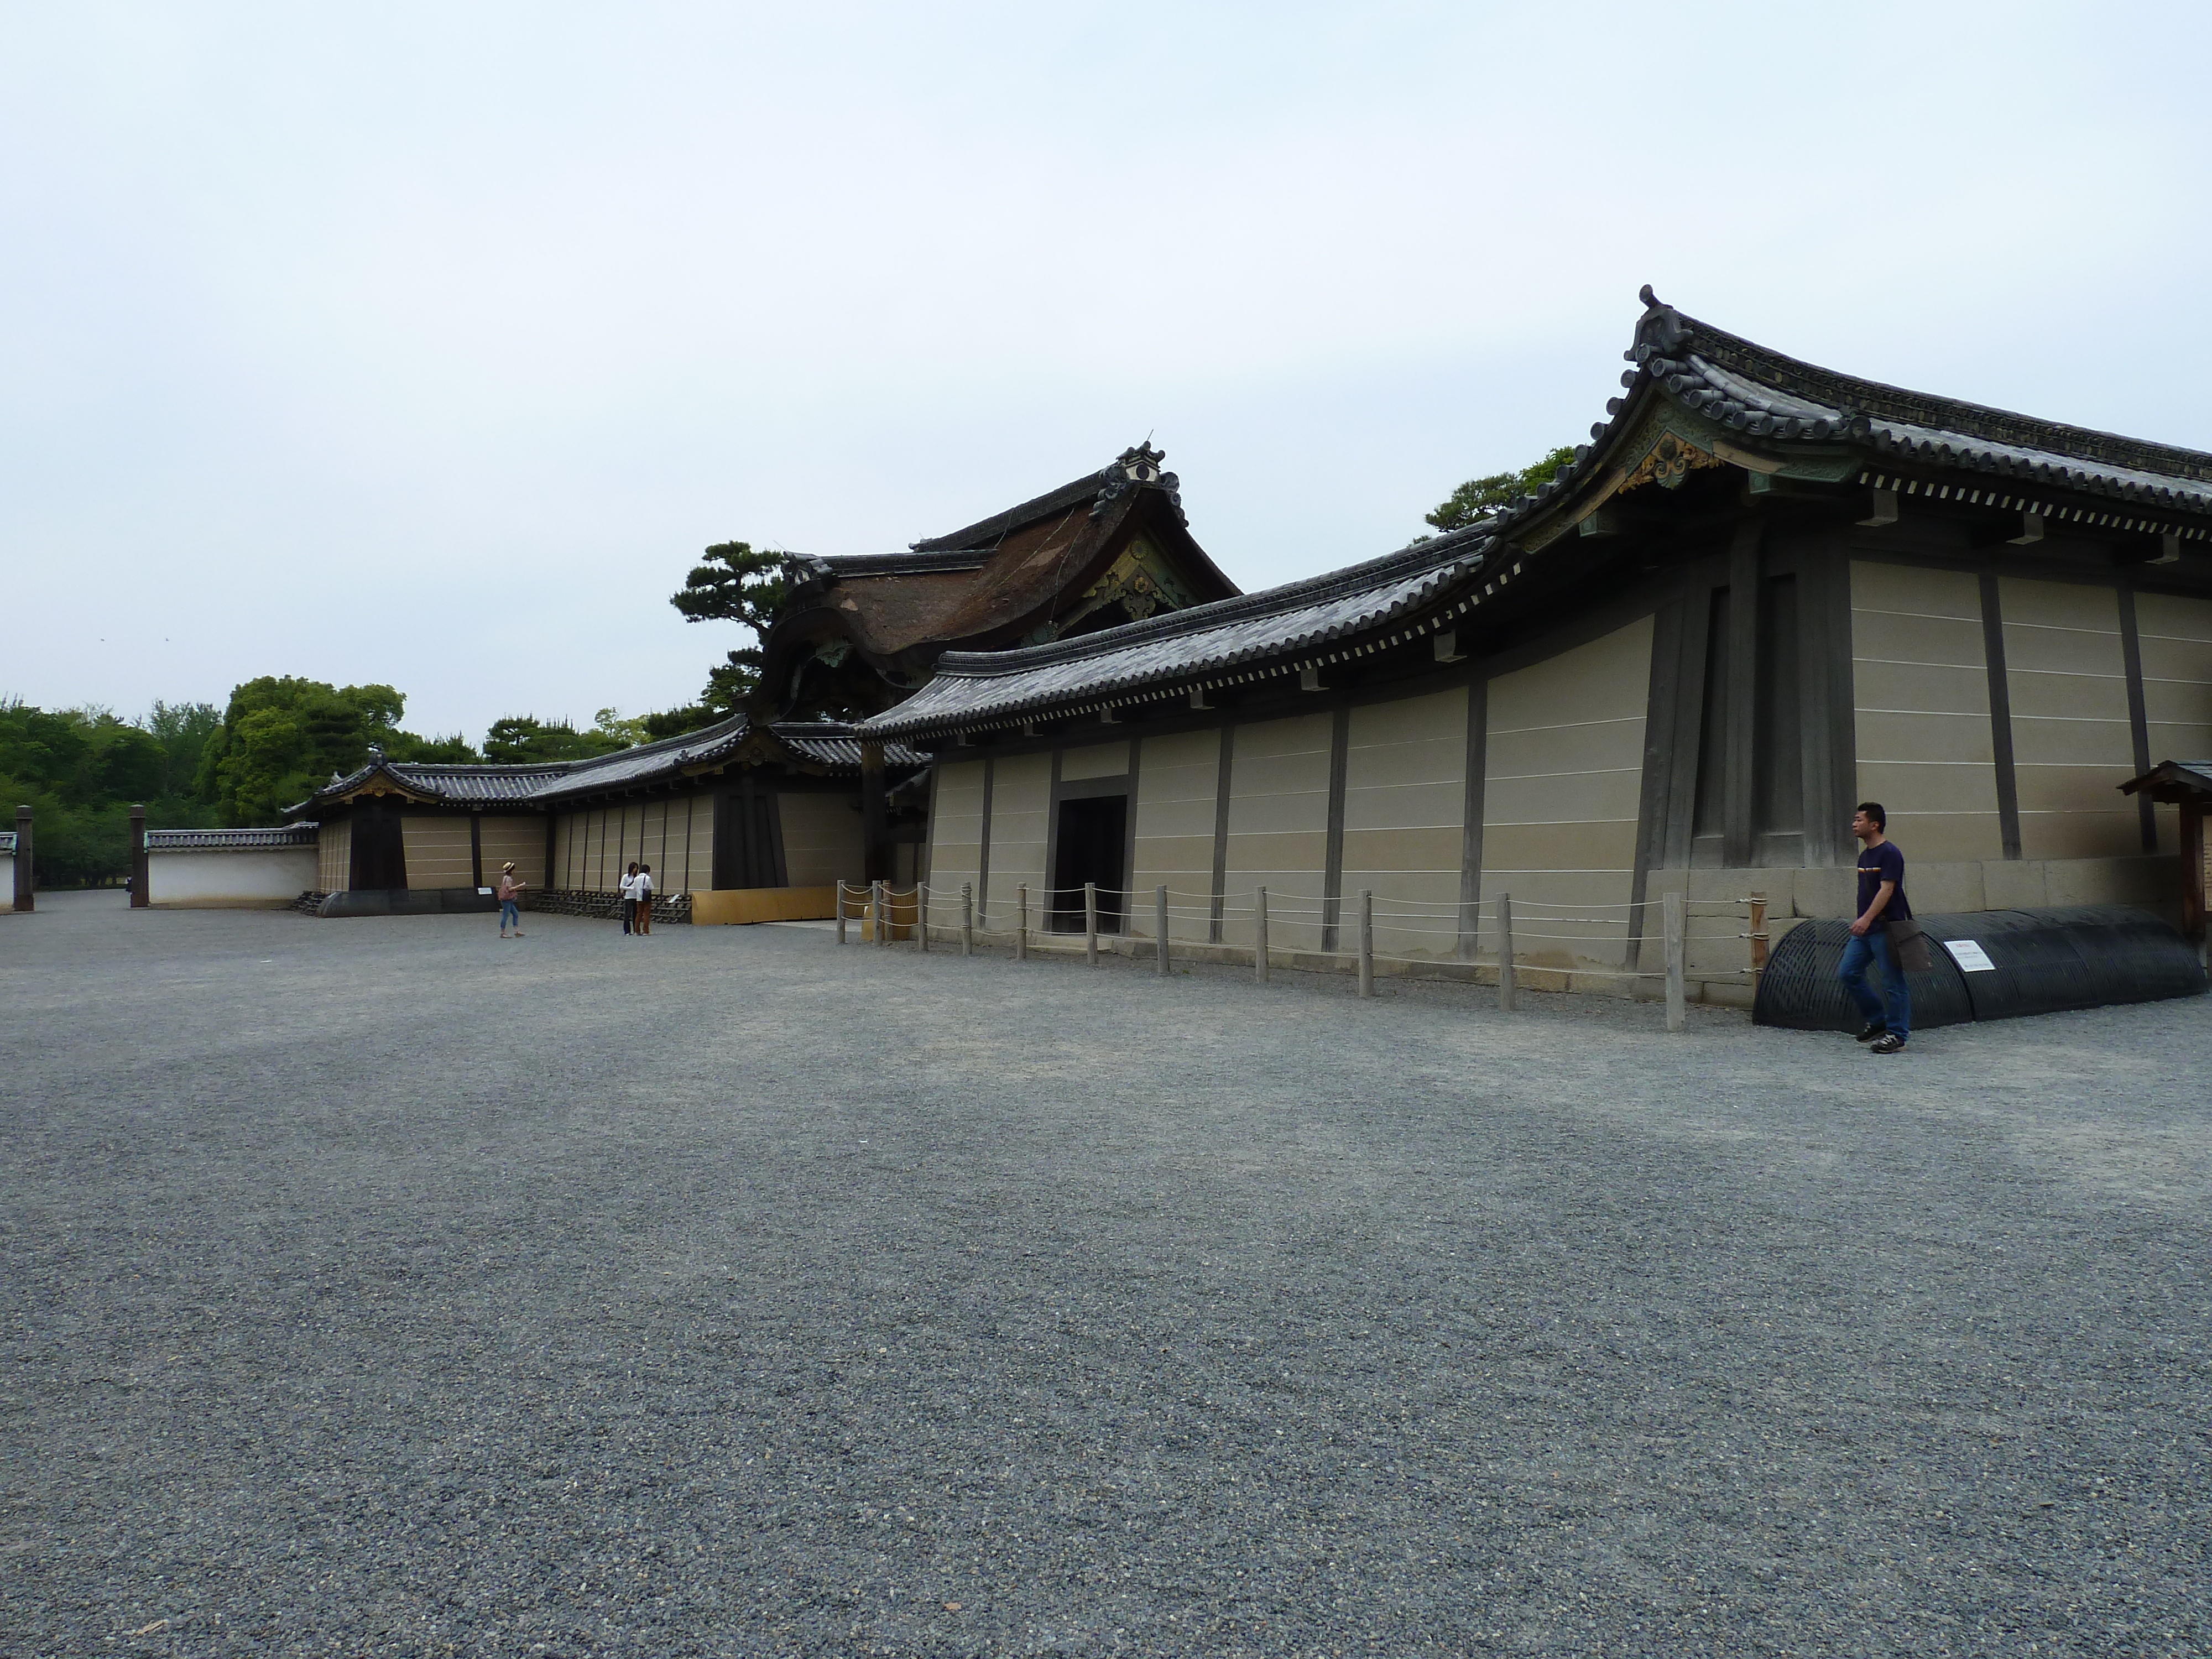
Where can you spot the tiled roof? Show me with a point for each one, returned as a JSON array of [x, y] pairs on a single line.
[[229, 841], [824, 743], [1205, 644], [1772, 400], [1764, 394]]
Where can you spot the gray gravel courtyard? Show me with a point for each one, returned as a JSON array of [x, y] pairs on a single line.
[[377, 1287]]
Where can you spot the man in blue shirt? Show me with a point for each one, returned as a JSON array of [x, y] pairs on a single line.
[[1881, 901]]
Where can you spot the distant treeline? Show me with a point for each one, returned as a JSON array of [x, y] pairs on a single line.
[[278, 741]]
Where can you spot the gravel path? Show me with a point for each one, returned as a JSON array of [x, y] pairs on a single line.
[[376, 1287]]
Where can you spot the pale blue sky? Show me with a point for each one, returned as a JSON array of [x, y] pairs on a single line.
[[428, 345]]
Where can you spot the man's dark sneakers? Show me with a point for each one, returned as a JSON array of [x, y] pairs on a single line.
[[1891, 1044], [1873, 1031]]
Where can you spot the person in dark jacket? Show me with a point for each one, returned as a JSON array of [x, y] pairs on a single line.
[[1881, 901]]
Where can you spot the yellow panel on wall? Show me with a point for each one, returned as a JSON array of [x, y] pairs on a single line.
[[1562, 778], [2073, 736], [1920, 674]]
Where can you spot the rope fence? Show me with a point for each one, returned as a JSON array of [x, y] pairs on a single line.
[[889, 914]]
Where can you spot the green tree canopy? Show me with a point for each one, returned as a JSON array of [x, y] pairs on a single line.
[[520, 739], [736, 583], [282, 737], [1485, 498], [80, 770]]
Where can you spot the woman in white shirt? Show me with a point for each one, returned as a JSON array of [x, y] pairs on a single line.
[[629, 898]]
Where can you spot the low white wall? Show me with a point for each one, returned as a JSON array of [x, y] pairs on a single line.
[[253, 877], [7, 881]]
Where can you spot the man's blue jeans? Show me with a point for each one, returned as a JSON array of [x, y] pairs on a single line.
[[1894, 1006]]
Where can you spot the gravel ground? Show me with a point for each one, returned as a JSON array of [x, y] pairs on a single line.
[[377, 1287]]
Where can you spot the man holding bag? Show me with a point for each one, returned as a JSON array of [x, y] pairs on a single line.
[[1884, 932]]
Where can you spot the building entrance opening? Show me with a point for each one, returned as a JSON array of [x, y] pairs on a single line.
[[1093, 836], [379, 850], [748, 850]]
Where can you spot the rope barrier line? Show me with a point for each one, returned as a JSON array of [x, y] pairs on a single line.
[[892, 912]]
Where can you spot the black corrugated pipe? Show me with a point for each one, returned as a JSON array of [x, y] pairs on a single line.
[[2041, 962]]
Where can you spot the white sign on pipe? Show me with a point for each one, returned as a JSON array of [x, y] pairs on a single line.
[[1970, 955]]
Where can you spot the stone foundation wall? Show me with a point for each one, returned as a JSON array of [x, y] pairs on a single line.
[[603, 907]]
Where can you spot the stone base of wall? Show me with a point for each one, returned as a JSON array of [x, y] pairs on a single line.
[[603, 907]]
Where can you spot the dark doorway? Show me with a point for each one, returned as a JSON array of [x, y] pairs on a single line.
[[1090, 847], [379, 852], [748, 844]]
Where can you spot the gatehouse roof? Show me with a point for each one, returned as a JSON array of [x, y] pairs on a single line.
[[821, 747]]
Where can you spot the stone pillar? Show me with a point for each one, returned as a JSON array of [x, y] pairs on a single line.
[[875, 818], [26, 887], [141, 896]]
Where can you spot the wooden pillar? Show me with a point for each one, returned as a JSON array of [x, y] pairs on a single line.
[[1091, 922], [2192, 869], [1366, 942], [1677, 924], [1260, 934], [26, 886], [875, 825], [1160, 926], [967, 919], [140, 894], [1508, 981]]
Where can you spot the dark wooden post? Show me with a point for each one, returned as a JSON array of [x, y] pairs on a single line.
[[2192, 869], [26, 888], [875, 829], [139, 896]]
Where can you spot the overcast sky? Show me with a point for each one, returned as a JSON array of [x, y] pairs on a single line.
[[428, 345]]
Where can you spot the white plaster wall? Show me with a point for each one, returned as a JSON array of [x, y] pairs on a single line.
[[262, 877], [7, 881]]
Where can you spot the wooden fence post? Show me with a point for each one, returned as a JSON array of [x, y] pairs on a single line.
[[141, 877], [967, 918], [1366, 942], [27, 874], [1259, 935], [1509, 982], [1677, 1013], [841, 909], [877, 910], [1160, 925], [1091, 922], [1758, 937], [921, 914], [1022, 922]]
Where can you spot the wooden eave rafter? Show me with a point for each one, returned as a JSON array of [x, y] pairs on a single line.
[[381, 783]]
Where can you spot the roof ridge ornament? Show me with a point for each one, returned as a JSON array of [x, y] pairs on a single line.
[[1661, 328], [1135, 467]]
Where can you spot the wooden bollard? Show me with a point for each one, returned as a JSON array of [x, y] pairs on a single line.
[[1160, 925], [1259, 935], [967, 918], [841, 909], [876, 909], [1366, 942], [1757, 934], [921, 914], [1677, 1009], [1091, 922], [1022, 922], [1509, 982]]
